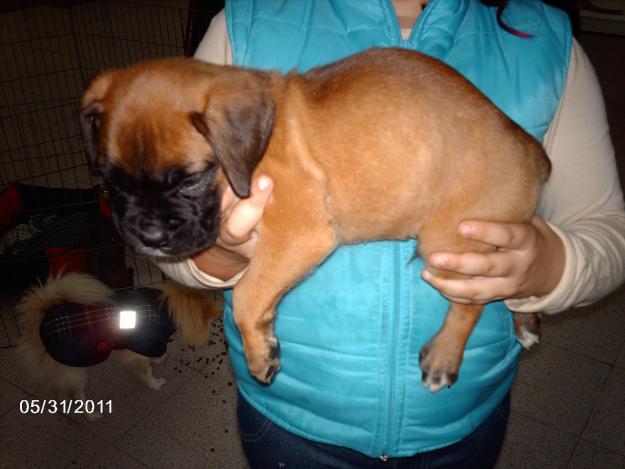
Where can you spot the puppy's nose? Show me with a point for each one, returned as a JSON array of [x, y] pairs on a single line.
[[153, 235]]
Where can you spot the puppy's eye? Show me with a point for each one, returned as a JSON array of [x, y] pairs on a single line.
[[190, 182], [174, 177], [117, 179]]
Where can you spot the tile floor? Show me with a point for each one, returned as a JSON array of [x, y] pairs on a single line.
[[568, 407]]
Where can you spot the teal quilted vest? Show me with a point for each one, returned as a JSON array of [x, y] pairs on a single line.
[[351, 332]]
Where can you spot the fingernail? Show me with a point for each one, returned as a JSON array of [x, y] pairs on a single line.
[[263, 183], [426, 275], [437, 261], [466, 229]]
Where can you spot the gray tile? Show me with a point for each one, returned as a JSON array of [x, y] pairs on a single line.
[[596, 331], [558, 388], [131, 400], [606, 426], [55, 441], [530, 444], [12, 372], [197, 428], [10, 396], [620, 361], [589, 456], [9, 327]]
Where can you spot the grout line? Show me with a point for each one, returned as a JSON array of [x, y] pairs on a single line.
[[172, 393], [621, 352], [560, 347], [570, 459], [13, 386], [529, 417], [581, 437], [18, 386], [83, 425]]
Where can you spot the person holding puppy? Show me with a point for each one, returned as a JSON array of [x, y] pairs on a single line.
[[349, 393]]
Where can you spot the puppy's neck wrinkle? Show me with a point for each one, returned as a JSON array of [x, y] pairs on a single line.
[[294, 140], [292, 121]]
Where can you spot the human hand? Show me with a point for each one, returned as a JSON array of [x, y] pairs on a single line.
[[237, 238], [528, 261]]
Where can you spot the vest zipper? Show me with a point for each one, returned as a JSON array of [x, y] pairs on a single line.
[[392, 363]]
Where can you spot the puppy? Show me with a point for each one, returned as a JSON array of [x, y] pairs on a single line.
[[385, 144], [70, 323]]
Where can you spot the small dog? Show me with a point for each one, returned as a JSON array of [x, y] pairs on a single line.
[[385, 144], [70, 323]]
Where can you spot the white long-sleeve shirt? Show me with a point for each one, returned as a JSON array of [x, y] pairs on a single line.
[[582, 201]]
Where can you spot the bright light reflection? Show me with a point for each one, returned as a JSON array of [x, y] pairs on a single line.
[[127, 319]]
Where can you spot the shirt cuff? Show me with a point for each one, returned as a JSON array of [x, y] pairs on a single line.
[[209, 280], [184, 270]]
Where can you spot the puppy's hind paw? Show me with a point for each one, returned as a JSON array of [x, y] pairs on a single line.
[[527, 329], [438, 369], [527, 338]]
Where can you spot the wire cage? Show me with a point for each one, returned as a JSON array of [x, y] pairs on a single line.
[[53, 213]]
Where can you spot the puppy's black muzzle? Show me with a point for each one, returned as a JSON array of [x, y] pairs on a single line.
[[153, 235], [165, 217]]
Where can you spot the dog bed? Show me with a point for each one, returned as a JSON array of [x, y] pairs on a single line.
[[44, 230]]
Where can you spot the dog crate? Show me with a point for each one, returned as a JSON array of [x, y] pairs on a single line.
[[53, 213]]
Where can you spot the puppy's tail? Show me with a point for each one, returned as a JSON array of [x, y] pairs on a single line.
[[192, 310], [40, 367]]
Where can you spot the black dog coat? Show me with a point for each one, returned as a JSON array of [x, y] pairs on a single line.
[[83, 335]]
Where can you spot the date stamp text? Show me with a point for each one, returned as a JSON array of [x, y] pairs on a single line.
[[65, 406]]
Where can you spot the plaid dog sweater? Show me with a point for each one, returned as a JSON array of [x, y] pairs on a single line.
[[83, 335]]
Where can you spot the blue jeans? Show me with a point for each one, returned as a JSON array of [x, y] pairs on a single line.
[[268, 446]]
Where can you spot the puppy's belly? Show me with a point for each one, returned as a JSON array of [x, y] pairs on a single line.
[[382, 217], [375, 230]]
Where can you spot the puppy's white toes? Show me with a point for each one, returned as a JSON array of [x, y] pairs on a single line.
[[156, 383], [435, 387], [527, 338]]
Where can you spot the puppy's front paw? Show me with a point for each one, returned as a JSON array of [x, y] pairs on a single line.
[[439, 365], [264, 361]]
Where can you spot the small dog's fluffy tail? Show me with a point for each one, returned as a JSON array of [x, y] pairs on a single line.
[[191, 310], [40, 367]]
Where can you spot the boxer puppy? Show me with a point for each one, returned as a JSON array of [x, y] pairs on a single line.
[[385, 144]]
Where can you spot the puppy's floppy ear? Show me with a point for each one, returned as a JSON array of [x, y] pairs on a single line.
[[91, 118], [237, 124]]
